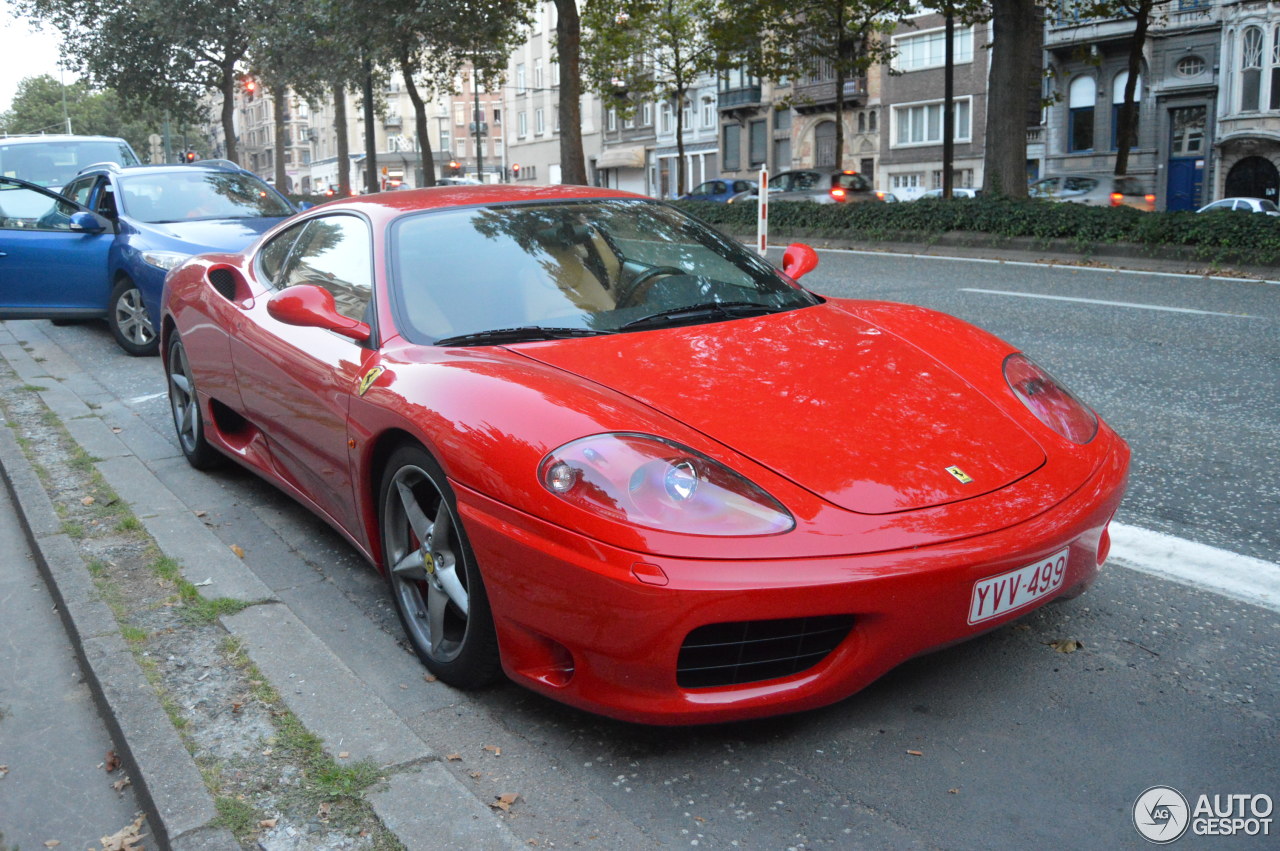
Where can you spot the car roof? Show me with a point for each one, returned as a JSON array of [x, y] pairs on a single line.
[[224, 166], [444, 197], [55, 137]]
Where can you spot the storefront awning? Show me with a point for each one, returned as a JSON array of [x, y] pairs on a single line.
[[622, 158]]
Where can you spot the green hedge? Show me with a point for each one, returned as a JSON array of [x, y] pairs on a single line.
[[1217, 237]]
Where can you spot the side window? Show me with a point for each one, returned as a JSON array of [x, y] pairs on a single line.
[[106, 202], [335, 252], [806, 180], [78, 190], [22, 208], [273, 255]]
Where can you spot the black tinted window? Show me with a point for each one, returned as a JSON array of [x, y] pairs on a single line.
[[273, 255]]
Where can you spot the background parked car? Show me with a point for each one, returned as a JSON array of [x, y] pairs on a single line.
[[820, 185], [719, 191], [1242, 205], [103, 247], [52, 161], [955, 193], [1095, 190]]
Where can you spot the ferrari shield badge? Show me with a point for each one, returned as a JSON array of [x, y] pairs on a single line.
[[367, 380], [961, 476]]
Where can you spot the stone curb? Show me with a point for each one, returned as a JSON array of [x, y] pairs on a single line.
[[344, 714]]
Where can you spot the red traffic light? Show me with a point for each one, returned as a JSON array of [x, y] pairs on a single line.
[[515, 168], [189, 156]]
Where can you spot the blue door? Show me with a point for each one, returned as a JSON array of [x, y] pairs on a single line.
[[53, 255], [1186, 177]]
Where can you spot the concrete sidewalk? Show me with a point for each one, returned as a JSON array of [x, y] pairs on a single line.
[[54, 786], [181, 812]]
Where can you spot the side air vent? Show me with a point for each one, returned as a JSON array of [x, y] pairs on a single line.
[[723, 654], [224, 282]]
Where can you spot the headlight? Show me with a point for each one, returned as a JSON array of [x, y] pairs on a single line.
[[659, 484], [164, 259], [1053, 404]]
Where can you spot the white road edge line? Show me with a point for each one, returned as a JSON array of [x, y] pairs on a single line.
[[1243, 578], [1108, 303], [1046, 265]]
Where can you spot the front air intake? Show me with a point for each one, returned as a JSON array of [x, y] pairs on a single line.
[[224, 282], [724, 654]]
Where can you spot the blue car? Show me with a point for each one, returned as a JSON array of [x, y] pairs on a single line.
[[102, 248], [719, 191]]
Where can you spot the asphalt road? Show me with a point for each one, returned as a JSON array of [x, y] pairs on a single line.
[[1018, 745]]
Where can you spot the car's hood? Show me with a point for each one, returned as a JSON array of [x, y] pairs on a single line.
[[859, 416], [209, 235]]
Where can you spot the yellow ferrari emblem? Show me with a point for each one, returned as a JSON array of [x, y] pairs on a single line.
[[961, 476], [367, 381]]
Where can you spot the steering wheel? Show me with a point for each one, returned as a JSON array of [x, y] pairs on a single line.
[[642, 282]]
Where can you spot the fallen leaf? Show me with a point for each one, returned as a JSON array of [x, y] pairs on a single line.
[[916, 753], [429, 678], [402, 685], [344, 754], [504, 802], [1066, 645], [269, 822], [236, 706], [4, 769], [323, 810], [53, 843], [475, 775], [238, 550], [116, 429], [453, 757], [953, 791], [88, 500], [267, 752], [201, 513], [128, 838], [112, 763], [1022, 627], [493, 749], [120, 784]]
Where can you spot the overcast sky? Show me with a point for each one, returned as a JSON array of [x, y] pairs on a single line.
[[27, 52]]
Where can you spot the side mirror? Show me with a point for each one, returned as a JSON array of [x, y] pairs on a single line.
[[85, 222], [310, 306], [799, 260]]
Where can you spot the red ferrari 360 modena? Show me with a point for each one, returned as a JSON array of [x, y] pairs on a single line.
[[601, 447]]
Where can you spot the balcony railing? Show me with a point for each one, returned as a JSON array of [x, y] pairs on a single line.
[[823, 92], [730, 98]]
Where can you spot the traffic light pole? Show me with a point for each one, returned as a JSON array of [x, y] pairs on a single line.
[[475, 85]]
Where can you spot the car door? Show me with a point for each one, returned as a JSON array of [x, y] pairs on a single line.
[[296, 383], [53, 255]]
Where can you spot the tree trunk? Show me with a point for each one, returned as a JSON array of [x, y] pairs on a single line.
[[1015, 58], [1127, 121], [344, 143], [426, 162], [370, 131], [229, 111], [573, 166], [279, 108]]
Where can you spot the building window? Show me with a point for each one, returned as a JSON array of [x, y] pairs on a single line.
[[758, 142], [1190, 66], [1188, 131], [782, 119], [664, 116], [921, 124], [732, 147], [928, 49], [862, 122], [1081, 98], [459, 113], [686, 114], [537, 73], [539, 121], [522, 124], [708, 111], [1274, 101], [520, 81], [612, 119], [871, 122], [781, 154], [1117, 100], [646, 115], [961, 178], [1251, 69], [824, 144], [907, 181]]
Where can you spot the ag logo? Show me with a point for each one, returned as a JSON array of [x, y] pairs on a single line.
[[1161, 814]]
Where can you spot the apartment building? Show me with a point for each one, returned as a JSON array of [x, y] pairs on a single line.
[[1246, 140]]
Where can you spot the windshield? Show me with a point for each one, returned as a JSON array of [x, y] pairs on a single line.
[[595, 266], [55, 163], [180, 197]]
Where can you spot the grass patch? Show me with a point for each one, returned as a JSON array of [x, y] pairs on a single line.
[[97, 568], [133, 634], [202, 611], [237, 816], [169, 570], [73, 530], [34, 388], [129, 523]]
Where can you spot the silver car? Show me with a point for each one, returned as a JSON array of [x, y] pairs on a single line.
[[1242, 205], [1095, 190], [820, 185]]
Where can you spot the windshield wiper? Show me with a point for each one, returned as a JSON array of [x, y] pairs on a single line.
[[694, 312], [523, 334]]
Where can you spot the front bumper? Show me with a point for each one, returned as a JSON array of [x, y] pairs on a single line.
[[601, 628]]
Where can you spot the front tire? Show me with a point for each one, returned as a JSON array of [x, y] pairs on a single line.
[[184, 402], [129, 321], [435, 581]]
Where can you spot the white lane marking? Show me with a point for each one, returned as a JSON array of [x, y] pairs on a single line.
[[1108, 303], [137, 400], [1046, 265], [1233, 575]]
